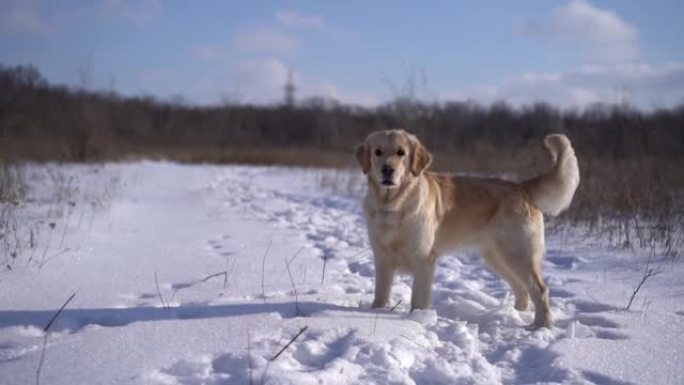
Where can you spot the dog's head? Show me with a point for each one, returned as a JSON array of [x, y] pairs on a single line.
[[391, 157]]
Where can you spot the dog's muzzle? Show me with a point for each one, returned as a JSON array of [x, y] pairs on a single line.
[[387, 173]]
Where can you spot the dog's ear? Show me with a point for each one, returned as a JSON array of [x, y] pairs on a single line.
[[363, 157], [420, 157]]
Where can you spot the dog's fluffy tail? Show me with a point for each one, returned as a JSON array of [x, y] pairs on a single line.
[[552, 192]]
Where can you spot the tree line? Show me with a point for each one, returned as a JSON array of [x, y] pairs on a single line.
[[58, 122]]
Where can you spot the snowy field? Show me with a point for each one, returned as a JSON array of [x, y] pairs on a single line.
[[203, 274]]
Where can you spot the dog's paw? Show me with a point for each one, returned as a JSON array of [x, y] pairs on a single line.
[[539, 324], [377, 304], [521, 304]]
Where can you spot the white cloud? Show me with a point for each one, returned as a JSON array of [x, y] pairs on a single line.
[[599, 35], [23, 17], [259, 80], [294, 19], [139, 12], [643, 85], [266, 40]]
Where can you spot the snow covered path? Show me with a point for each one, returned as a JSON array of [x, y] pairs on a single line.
[[246, 257]]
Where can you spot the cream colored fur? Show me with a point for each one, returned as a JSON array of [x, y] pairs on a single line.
[[415, 215]]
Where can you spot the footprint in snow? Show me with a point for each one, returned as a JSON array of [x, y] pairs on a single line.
[[569, 262], [593, 307], [560, 293], [585, 326], [363, 269], [597, 320], [319, 348], [217, 246], [598, 378], [234, 364], [610, 335]]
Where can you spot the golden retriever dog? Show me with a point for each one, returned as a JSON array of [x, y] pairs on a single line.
[[414, 216]]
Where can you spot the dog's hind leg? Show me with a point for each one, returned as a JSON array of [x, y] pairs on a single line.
[[540, 296], [497, 263], [530, 273], [522, 246]]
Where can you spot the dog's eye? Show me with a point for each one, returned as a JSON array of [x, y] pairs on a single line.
[[401, 152], [378, 152]]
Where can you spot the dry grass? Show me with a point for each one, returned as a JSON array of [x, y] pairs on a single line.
[[12, 191], [48, 149], [12, 184], [41, 205], [632, 203]]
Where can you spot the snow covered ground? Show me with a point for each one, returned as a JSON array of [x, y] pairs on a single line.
[[202, 274]]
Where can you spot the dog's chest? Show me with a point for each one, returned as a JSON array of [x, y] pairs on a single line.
[[387, 221], [395, 233]]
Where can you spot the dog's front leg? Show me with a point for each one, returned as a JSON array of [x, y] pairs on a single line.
[[384, 275], [422, 284]]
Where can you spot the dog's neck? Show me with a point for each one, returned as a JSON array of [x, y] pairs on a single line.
[[392, 199]]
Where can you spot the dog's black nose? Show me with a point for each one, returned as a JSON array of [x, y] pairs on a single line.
[[387, 171]]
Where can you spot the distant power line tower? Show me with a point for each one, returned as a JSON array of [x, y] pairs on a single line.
[[290, 90]]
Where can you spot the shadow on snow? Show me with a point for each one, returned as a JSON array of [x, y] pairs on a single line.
[[75, 319]]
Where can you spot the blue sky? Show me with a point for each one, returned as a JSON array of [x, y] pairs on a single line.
[[568, 53]]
